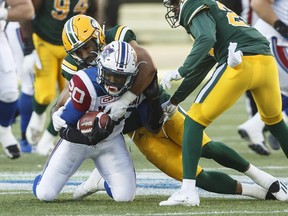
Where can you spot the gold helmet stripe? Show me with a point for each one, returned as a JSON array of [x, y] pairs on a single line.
[[120, 33]]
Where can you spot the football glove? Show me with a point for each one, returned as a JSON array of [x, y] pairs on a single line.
[[118, 108], [282, 28], [57, 121], [3, 13], [99, 134], [234, 58], [169, 109], [74, 135], [168, 77]]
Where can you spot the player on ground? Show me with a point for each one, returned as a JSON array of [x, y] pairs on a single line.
[[163, 152], [238, 49]]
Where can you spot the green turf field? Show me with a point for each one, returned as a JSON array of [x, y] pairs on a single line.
[[168, 48]]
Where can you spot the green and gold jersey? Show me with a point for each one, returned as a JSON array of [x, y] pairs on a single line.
[[118, 33], [52, 15], [213, 26]]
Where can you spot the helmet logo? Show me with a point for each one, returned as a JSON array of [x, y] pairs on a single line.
[[107, 51]]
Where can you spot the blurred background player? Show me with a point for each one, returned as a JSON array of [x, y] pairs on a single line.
[[17, 10], [272, 23], [47, 28]]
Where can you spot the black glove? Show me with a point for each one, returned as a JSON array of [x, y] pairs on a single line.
[[74, 135], [281, 28], [98, 134], [28, 46]]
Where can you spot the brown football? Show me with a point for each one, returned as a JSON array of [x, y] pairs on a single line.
[[85, 123]]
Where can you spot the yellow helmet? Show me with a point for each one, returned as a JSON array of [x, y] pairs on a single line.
[[80, 30]]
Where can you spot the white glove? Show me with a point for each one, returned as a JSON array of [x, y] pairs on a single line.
[[234, 58], [58, 122], [119, 107], [168, 77], [169, 109], [37, 61], [3, 14]]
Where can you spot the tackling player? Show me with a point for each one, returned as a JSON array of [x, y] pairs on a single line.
[[163, 149], [244, 62]]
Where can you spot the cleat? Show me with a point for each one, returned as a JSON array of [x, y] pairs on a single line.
[[94, 183], [180, 198], [279, 190], [25, 146], [260, 149], [35, 128], [12, 151], [274, 144]]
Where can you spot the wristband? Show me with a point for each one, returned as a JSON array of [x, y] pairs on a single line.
[[3, 14], [129, 97]]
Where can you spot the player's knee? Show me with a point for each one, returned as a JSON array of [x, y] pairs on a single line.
[[9, 95], [43, 192], [121, 194]]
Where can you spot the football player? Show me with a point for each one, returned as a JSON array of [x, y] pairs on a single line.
[[49, 48], [245, 62], [16, 11], [162, 148]]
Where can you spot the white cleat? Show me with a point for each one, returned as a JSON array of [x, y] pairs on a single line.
[[181, 198], [279, 190], [94, 183], [35, 128]]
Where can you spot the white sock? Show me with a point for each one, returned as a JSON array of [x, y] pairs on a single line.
[[188, 186], [254, 191], [260, 177]]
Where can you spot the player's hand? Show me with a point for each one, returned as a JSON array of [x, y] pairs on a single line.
[[234, 58], [168, 77], [282, 28], [118, 108], [99, 134], [58, 122], [169, 109]]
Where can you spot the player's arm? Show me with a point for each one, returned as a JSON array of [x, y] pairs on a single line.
[[19, 10], [198, 63], [264, 9], [146, 72]]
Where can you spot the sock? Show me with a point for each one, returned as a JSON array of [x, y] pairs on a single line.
[[25, 109], [191, 147], [260, 177], [254, 191], [7, 113], [188, 186], [225, 156], [216, 182], [39, 108], [280, 132]]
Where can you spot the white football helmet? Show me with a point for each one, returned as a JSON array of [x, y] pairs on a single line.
[[118, 67]]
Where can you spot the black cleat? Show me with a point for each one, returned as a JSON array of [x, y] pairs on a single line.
[[12, 151]]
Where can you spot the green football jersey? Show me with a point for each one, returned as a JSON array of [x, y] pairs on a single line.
[[52, 15], [213, 26], [117, 33]]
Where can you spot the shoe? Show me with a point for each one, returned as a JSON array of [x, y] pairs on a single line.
[[25, 146], [9, 143], [94, 183], [12, 151], [46, 144], [279, 190], [180, 198], [260, 147], [274, 144], [35, 128]]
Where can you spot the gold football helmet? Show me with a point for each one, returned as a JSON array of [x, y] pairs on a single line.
[[83, 39]]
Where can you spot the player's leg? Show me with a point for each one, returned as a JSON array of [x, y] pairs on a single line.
[[116, 166], [271, 110], [8, 98], [61, 165]]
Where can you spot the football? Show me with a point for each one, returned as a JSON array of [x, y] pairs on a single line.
[[85, 123]]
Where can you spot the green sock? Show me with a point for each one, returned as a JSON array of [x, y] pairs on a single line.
[[216, 182], [39, 108], [280, 131], [225, 156], [191, 147], [51, 129]]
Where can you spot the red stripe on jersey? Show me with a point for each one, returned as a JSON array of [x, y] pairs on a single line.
[[81, 98], [280, 54]]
